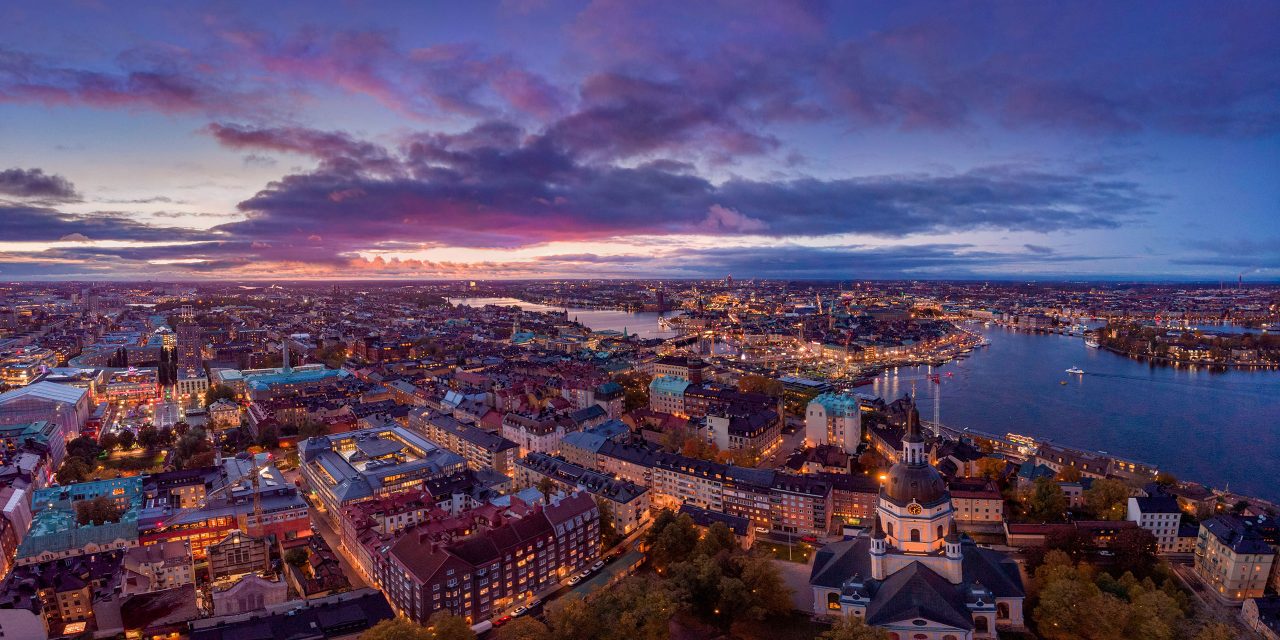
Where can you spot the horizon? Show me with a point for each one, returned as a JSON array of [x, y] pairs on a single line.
[[548, 139]]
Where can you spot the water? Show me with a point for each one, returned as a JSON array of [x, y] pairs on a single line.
[[642, 323], [1217, 427]]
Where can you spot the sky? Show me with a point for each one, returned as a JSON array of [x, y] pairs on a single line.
[[614, 139]]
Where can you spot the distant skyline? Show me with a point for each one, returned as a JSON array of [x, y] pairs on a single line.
[[543, 139]]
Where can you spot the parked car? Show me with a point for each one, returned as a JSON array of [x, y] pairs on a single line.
[[501, 621], [521, 611], [598, 565], [809, 539], [575, 579]]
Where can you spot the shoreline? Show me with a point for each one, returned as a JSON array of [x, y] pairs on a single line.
[[1166, 361]]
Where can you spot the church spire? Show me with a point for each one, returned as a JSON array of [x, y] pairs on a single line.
[[913, 441]]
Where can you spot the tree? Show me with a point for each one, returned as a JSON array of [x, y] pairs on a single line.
[[296, 557], [109, 441], [1135, 550], [312, 429], [446, 626], [638, 608], [852, 628], [527, 628], [992, 468], [149, 438], [73, 470], [715, 539], [1153, 615], [396, 629], [547, 486], [1107, 499], [83, 447], [1046, 502], [127, 439], [673, 542], [753, 383], [99, 510], [572, 618], [609, 535], [218, 392], [1069, 474], [1216, 631]]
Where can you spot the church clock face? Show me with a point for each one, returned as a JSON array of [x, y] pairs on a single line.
[[914, 509]]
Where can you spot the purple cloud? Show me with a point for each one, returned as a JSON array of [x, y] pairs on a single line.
[[35, 183]]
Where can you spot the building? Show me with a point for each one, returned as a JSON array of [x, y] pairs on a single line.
[[190, 343], [131, 387], [202, 506], [915, 575], [55, 532], [835, 419], [61, 591], [484, 574], [157, 567], [337, 617], [666, 394], [686, 368], [64, 405], [978, 504], [1262, 615], [743, 530], [628, 502], [759, 431], [1236, 555], [359, 465], [42, 435], [224, 414], [481, 449], [801, 505], [1160, 515], [237, 554], [247, 593]]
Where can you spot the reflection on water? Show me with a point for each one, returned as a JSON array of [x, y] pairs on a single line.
[[1218, 427], [642, 323]]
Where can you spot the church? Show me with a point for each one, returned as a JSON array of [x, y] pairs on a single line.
[[914, 575]]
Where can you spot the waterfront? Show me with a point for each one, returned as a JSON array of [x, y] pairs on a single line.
[[1217, 427], [641, 323]]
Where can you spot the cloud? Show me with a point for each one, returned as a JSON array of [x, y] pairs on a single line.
[[495, 186], [167, 80], [1038, 249], [35, 183], [41, 224]]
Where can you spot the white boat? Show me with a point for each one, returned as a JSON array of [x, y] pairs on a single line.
[[1076, 370], [1091, 343]]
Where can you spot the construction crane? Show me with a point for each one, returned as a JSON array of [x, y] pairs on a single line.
[[254, 474]]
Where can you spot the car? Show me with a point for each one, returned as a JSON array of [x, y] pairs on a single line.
[[598, 565], [1106, 554], [574, 579], [585, 574], [501, 621], [809, 539], [762, 529], [520, 611]]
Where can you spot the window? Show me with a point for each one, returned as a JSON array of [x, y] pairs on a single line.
[[833, 601], [915, 535]]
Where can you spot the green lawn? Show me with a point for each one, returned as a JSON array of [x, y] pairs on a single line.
[[799, 552], [129, 462]]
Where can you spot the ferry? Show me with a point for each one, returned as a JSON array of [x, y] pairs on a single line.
[[1091, 343], [1076, 371]]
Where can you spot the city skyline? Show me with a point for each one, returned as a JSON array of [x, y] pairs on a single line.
[[581, 140]]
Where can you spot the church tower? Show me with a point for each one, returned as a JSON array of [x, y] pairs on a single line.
[[917, 515]]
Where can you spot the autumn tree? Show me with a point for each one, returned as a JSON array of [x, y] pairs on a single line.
[[396, 629], [446, 626], [572, 618], [853, 628], [1046, 502], [526, 628], [1107, 499], [1135, 550]]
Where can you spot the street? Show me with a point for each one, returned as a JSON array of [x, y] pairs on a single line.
[[321, 525]]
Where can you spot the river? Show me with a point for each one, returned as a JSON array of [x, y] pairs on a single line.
[[1217, 427]]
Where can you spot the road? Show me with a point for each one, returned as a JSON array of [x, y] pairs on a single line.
[[321, 525], [790, 442]]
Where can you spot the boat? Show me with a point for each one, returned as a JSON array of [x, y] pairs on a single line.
[[1076, 370], [1091, 343], [1062, 382]]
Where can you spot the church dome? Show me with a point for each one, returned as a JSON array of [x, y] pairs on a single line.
[[913, 478], [921, 483]]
